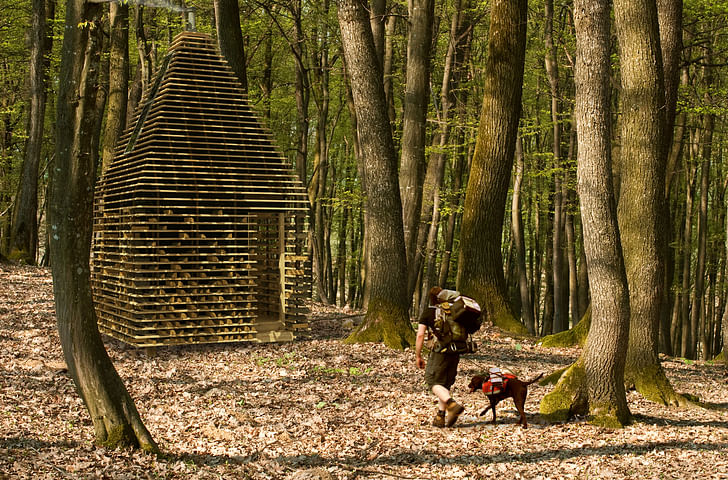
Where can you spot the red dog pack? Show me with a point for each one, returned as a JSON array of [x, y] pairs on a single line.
[[497, 381]]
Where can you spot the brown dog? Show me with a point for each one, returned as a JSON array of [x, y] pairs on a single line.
[[515, 388]]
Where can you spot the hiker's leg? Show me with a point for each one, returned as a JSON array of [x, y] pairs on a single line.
[[442, 394]]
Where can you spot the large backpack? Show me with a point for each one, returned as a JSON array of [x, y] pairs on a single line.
[[456, 318]]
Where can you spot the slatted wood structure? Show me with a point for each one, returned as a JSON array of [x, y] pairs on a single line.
[[199, 223]]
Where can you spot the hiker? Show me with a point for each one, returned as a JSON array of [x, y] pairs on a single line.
[[442, 366]]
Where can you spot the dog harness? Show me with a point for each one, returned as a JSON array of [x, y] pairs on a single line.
[[497, 381]]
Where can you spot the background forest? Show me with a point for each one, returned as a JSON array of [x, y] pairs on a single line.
[[294, 71], [497, 147]]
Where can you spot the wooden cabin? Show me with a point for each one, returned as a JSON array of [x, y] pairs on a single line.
[[199, 222]]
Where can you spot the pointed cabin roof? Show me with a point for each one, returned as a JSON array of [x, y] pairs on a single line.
[[195, 138]]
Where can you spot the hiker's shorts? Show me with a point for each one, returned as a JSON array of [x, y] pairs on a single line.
[[441, 369]]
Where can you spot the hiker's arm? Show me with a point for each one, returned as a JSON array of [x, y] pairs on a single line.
[[420, 340]]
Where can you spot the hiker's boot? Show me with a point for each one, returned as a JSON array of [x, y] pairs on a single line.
[[439, 420], [454, 410]]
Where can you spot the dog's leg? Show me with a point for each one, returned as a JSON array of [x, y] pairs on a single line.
[[520, 401], [493, 403]]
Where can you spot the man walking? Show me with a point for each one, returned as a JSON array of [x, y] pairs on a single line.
[[441, 367]]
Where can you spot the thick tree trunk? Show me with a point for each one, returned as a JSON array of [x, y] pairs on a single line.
[[24, 225], [387, 316], [230, 38], [412, 165], [113, 413], [117, 98], [480, 266], [643, 208], [596, 381]]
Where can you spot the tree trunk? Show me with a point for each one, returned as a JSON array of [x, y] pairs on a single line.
[[725, 312], [113, 413], [412, 165], [642, 205], [389, 48], [687, 343], [320, 177], [573, 273], [434, 175], [378, 20], [230, 38], [560, 322], [145, 55], [697, 316], [669, 13], [24, 225], [117, 98], [387, 316], [583, 282], [480, 272], [596, 381], [518, 238], [266, 85]]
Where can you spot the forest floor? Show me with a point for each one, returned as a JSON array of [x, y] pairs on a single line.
[[319, 409]]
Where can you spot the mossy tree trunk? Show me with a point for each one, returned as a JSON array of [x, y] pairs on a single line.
[[595, 383], [113, 413], [387, 318], [480, 266], [642, 209], [576, 335]]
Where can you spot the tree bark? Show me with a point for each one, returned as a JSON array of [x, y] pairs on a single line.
[[596, 381], [560, 322], [480, 272], [320, 176], [687, 343], [697, 315], [725, 312], [230, 38], [118, 95], [378, 20], [642, 205], [412, 165], [389, 47], [387, 316], [669, 13], [518, 238], [24, 225], [113, 413]]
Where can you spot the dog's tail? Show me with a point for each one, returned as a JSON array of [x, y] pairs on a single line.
[[535, 379]]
